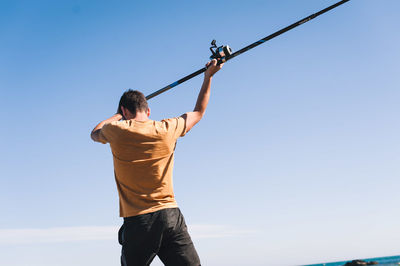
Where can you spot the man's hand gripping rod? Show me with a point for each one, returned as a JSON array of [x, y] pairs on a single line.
[[224, 53]]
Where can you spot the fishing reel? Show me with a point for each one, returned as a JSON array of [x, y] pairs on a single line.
[[220, 53]]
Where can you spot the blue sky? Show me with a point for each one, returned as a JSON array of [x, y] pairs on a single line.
[[296, 160]]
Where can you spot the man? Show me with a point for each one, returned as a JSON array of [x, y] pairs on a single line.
[[143, 154]]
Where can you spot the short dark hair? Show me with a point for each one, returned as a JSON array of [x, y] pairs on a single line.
[[134, 101]]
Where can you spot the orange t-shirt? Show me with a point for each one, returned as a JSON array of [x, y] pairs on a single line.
[[143, 154]]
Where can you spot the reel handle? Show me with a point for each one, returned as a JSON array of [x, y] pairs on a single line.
[[221, 53]]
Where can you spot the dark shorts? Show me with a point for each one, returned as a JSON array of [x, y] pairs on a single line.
[[162, 233]]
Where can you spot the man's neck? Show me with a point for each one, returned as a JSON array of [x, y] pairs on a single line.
[[141, 117]]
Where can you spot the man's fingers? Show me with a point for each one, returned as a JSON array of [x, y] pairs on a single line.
[[212, 62]]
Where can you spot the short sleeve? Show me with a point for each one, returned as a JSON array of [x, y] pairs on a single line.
[[176, 126], [105, 134]]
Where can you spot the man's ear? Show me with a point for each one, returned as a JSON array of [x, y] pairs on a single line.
[[148, 112]]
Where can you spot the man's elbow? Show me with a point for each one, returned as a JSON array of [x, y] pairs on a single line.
[[94, 135]]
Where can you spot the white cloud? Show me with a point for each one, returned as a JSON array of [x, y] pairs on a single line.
[[57, 234], [85, 233]]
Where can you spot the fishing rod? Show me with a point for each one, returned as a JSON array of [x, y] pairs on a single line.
[[224, 53]]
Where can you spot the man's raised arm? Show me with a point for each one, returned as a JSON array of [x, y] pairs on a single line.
[[192, 118], [96, 131]]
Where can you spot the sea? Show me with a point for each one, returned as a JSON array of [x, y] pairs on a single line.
[[386, 261]]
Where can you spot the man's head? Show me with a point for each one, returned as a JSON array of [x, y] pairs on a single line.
[[132, 104]]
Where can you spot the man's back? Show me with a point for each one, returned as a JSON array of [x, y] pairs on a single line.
[[143, 153]]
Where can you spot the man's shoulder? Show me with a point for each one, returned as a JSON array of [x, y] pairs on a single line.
[[113, 125], [172, 120], [175, 125]]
